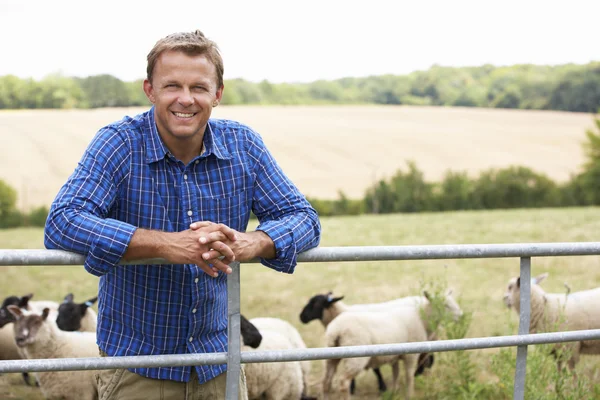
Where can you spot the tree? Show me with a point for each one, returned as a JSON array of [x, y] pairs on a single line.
[[8, 199], [590, 178]]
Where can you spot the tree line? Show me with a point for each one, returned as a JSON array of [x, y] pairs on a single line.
[[568, 87]]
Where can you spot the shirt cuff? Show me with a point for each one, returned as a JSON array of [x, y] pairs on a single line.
[[109, 246], [285, 246]]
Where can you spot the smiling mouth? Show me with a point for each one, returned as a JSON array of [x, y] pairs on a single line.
[[183, 115]]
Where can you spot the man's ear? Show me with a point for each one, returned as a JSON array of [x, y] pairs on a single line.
[[149, 90]]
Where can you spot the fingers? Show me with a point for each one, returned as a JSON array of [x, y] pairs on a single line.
[[212, 228], [200, 224], [212, 267], [217, 250]]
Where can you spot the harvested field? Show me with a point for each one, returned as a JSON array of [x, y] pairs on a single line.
[[324, 149]]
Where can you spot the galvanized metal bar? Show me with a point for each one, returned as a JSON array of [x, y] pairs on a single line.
[[73, 364], [524, 317], [233, 333], [353, 253]]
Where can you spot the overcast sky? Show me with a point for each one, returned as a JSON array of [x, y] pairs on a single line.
[[285, 41]]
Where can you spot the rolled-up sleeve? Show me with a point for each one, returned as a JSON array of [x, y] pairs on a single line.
[[78, 219], [284, 213]]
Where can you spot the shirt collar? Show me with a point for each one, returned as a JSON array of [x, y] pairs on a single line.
[[156, 150]]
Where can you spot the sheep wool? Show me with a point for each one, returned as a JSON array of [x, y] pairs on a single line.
[[560, 312], [276, 380], [39, 338], [290, 332], [355, 328]]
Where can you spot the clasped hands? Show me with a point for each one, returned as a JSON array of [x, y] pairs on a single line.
[[218, 246]]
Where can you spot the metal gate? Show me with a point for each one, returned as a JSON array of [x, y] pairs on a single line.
[[234, 358]]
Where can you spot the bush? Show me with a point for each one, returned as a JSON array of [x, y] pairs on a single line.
[[514, 187], [8, 199], [407, 192], [455, 192]]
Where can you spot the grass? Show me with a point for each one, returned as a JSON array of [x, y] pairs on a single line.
[[478, 283]]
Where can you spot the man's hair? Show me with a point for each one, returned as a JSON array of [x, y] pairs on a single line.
[[191, 43]]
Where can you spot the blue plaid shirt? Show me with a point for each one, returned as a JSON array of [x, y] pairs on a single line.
[[126, 179]]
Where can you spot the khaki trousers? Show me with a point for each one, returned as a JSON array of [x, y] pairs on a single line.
[[121, 384]]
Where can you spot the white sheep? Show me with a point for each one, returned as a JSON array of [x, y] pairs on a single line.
[[289, 331], [401, 324], [274, 381], [560, 312], [8, 347], [39, 338], [326, 307], [77, 316]]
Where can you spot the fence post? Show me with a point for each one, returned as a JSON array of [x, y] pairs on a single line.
[[233, 333], [524, 314]]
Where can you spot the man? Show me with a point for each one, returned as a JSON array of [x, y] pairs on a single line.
[[172, 183]]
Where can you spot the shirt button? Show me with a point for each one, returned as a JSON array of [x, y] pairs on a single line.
[[185, 177], [196, 162], [196, 280], [194, 311], [190, 213], [191, 339]]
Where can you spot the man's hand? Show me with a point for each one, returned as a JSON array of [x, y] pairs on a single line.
[[245, 246], [186, 247]]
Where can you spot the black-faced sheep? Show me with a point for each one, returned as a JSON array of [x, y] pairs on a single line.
[[560, 312], [77, 316]]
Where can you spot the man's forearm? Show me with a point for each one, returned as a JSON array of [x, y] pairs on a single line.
[[147, 244], [264, 246]]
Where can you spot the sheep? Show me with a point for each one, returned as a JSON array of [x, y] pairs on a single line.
[[289, 331], [8, 347], [325, 308], [557, 311], [400, 324], [39, 337], [274, 381], [24, 303], [77, 316]]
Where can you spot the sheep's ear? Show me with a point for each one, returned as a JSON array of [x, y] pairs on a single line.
[[68, 298], [330, 300], [16, 311], [518, 282], [91, 301], [45, 313], [427, 295], [24, 301], [538, 279]]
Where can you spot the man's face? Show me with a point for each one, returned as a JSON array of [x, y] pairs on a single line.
[[183, 91]]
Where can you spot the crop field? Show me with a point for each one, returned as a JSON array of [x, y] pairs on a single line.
[[479, 284], [324, 149]]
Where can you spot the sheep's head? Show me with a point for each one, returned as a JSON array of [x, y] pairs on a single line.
[[316, 305], [70, 313], [27, 324], [5, 316], [450, 304], [250, 334], [512, 296]]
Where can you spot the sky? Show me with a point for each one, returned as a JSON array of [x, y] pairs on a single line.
[[296, 41]]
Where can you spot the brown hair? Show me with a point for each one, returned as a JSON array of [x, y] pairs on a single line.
[[191, 43]]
